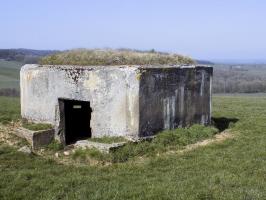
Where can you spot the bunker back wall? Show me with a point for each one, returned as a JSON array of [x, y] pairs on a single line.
[[171, 98]]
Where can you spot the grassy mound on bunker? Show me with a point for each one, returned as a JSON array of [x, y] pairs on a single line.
[[114, 57]]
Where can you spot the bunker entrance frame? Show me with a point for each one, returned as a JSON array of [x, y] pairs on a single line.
[[75, 117]]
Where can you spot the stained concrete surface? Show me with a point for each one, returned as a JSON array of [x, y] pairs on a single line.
[[131, 101]]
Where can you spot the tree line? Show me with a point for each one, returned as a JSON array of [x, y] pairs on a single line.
[[239, 78]]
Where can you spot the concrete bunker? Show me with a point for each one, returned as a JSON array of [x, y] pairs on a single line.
[[123, 100], [75, 119]]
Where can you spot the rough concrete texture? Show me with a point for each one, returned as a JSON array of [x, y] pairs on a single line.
[[174, 97], [103, 147], [25, 149], [125, 100], [36, 139]]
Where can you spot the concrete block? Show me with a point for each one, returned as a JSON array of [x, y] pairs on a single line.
[[36, 139], [130, 101], [103, 147]]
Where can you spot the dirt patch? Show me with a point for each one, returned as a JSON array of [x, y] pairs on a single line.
[[7, 135]]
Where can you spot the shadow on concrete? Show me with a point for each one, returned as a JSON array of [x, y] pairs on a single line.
[[223, 123]]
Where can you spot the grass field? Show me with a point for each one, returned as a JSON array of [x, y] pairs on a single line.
[[234, 169], [9, 109], [9, 74]]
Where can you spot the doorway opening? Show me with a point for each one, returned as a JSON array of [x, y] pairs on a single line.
[[76, 120]]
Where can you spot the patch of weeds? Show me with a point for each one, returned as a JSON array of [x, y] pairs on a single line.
[[165, 140], [108, 140], [55, 146], [96, 154], [35, 126], [21, 142], [131, 150], [80, 154], [84, 155], [205, 195]]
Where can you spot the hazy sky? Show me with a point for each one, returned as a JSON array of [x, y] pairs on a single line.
[[206, 29]]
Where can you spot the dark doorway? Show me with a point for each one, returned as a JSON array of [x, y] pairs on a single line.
[[77, 116]]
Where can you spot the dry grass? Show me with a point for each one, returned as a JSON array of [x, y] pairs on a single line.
[[114, 57]]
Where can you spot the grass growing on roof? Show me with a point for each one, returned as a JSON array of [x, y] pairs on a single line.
[[114, 57], [85, 155]]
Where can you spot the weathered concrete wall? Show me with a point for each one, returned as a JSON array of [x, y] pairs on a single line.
[[125, 100], [174, 97], [112, 92]]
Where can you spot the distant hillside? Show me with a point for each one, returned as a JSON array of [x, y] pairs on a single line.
[[24, 55], [204, 62], [248, 78], [9, 78]]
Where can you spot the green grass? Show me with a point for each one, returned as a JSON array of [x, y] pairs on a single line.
[[165, 141], [86, 155], [232, 170], [9, 109], [36, 126], [9, 74], [10, 112], [55, 146], [113, 57]]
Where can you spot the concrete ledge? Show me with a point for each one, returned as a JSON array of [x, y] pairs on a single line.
[[36, 139], [103, 147]]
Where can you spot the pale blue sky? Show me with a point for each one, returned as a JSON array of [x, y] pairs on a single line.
[[206, 29]]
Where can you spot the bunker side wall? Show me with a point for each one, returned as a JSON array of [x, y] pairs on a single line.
[[113, 94], [174, 97]]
